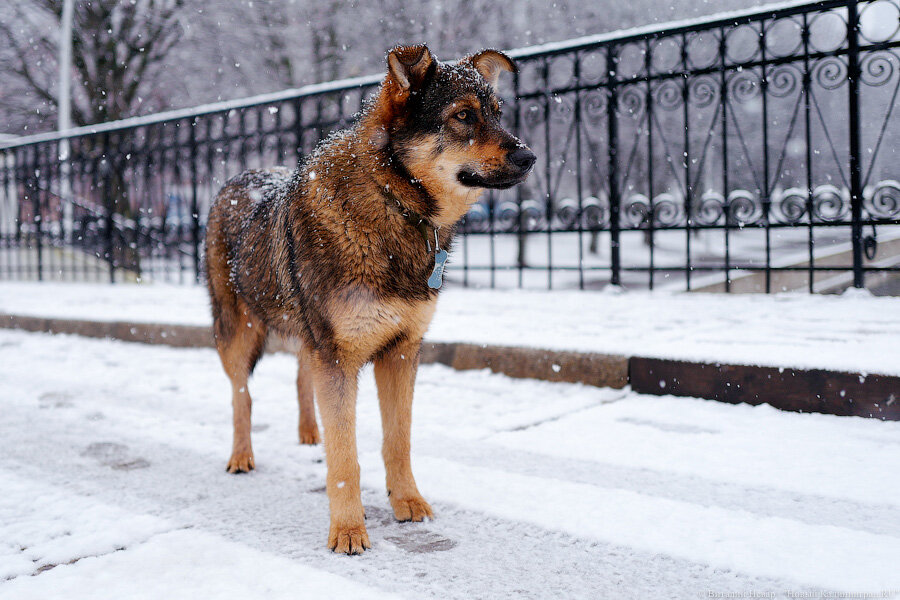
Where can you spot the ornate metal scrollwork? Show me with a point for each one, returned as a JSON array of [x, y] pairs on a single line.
[[790, 206], [783, 80], [594, 213], [567, 214], [710, 209], [703, 91], [830, 203], [668, 210], [631, 103], [667, 95], [506, 217], [593, 105], [744, 85], [741, 207], [878, 68], [882, 200], [636, 211], [830, 72]]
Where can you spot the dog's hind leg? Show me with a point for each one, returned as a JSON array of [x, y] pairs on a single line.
[[308, 430], [395, 375], [336, 395], [240, 338]]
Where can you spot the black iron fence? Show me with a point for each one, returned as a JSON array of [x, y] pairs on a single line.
[[756, 151]]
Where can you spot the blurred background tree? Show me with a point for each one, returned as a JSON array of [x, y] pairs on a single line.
[[119, 50]]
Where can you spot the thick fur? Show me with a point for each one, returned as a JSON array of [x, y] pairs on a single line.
[[317, 255]]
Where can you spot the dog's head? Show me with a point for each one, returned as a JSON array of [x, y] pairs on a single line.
[[443, 121]]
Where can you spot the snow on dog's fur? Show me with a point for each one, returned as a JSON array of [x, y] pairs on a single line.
[[337, 255]]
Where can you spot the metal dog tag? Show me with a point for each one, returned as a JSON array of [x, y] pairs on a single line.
[[437, 275]]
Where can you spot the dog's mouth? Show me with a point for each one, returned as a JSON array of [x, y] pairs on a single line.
[[500, 181]]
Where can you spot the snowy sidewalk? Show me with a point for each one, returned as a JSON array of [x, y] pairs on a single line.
[[852, 333], [113, 486]]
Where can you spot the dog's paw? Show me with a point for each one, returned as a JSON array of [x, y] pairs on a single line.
[[241, 462], [348, 540], [411, 509], [309, 435]]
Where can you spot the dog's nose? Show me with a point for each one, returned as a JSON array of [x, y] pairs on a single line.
[[523, 158]]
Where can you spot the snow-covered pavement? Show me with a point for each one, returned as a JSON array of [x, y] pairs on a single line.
[[856, 332], [113, 486]]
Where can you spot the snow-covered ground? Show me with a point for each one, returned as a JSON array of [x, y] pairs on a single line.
[[113, 486], [854, 332]]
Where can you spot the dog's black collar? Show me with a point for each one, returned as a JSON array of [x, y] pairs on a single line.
[[420, 222], [402, 172], [425, 228]]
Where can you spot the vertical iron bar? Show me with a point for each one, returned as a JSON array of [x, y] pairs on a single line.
[[279, 143], [7, 216], [807, 86], [651, 214], [612, 162], [51, 161], [19, 180], [298, 127], [548, 174], [578, 186], [12, 202], [109, 205], [27, 208], [261, 135], [38, 216], [686, 157], [22, 261], [855, 155], [181, 227], [68, 236], [766, 197], [242, 138], [166, 250], [491, 222], [521, 239], [195, 209], [212, 186], [465, 245], [723, 104]]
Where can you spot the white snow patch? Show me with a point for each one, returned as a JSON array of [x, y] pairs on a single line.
[[684, 490], [96, 551]]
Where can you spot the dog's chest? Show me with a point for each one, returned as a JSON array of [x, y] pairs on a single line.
[[363, 322]]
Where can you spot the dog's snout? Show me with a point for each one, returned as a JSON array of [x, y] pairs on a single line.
[[523, 158]]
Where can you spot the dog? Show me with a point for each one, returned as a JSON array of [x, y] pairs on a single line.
[[345, 256]]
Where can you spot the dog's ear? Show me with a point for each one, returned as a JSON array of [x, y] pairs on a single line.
[[489, 63], [408, 66]]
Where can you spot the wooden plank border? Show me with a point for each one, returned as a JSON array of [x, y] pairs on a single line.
[[798, 390]]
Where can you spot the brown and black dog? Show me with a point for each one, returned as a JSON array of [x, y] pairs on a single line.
[[341, 255]]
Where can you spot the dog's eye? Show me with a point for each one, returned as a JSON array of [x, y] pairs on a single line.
[[465, 116]]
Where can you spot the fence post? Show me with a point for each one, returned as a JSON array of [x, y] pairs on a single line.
[[195, 210], [109, 203], [613, 148], [855, 157], [37, 218]]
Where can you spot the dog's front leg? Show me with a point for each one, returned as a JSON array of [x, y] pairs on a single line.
[[395, 375], [336, 393]]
